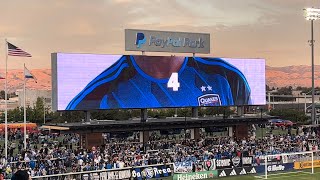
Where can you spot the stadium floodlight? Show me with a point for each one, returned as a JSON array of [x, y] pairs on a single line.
[[312, 14]]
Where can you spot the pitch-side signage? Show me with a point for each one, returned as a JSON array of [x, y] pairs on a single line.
[[306, 164], [166, 41]]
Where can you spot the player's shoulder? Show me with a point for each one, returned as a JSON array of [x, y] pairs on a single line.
[[220, 62], [212, 60], [121, 64], [223, 65]]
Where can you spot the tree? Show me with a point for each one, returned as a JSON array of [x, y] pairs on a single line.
[[268, 88], [2, 94], [38, 111], [284, 91], [290, 114], [212, 111], [15, 114]]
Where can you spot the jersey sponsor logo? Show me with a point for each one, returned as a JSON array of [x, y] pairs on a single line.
[[209, 100]]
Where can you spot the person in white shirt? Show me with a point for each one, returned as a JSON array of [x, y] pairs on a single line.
[[121, 164], [80, 162]]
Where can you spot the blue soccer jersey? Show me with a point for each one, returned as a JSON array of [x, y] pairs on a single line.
[[201, 82]]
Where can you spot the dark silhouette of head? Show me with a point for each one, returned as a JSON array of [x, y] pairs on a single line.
[[20, 175]]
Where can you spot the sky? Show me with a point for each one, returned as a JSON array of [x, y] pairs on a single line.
[[272, 29]]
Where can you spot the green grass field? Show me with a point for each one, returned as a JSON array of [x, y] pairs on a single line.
[[297, 175]]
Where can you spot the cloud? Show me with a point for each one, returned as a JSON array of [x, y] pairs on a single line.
[[201, 13], [238, 28]]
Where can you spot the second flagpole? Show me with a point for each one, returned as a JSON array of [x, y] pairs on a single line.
[[24, 108], [6, 106]]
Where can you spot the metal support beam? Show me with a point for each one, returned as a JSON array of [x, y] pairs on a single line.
[[144, 115]]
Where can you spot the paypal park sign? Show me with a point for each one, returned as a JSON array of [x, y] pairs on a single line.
[[164, 41]]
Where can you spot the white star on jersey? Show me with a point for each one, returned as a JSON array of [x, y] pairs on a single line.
[[209, 88], [203, 88]]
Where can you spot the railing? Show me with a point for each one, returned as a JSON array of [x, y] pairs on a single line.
[[128, 172], [123, 173], [114, 174], [152, 170]]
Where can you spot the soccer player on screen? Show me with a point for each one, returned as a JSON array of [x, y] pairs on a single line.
[[153, 81]]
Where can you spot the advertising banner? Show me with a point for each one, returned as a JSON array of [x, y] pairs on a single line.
[[275, 167], [92, 81], [140, 173], [284, 159], [209, 165], [228, 163], [183, 167], [260, 160], [306, 164], [236, 171], [166, 41], [247, 161], [109, 175], [236, 162], [223, 163], [196, 175]]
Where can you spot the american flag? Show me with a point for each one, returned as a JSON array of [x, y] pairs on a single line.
[[15, 51]]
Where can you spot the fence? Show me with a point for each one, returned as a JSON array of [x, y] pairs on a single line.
[[139, 172], [220, 167]]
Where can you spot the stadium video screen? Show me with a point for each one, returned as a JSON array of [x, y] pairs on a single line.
[[91, 81]]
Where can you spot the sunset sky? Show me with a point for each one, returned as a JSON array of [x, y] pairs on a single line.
[[272, 29]]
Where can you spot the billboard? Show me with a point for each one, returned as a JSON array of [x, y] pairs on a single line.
[[306, 164], [166, 41], [91, 81]]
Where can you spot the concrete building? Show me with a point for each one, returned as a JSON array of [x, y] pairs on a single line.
[[32, 96], [12, 104]]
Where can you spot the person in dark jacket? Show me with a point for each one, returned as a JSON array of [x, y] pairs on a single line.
[[21, 175]]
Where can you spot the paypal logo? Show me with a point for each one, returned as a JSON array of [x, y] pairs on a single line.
[[166, 41], [140, 39]]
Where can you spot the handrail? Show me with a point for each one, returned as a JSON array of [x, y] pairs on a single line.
[[97, 171]]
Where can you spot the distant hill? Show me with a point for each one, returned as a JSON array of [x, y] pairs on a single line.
[[291, 76], [15, 80], [276, 77]]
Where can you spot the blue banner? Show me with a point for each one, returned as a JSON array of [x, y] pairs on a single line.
[[183, 167], [275, 167], [149, 172]]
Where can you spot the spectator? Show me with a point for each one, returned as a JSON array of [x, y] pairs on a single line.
[[21, 175]]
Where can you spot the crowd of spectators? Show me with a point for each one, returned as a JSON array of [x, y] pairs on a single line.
[[58, 154]]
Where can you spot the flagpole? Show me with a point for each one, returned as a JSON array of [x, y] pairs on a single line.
[[6, 106], [24, 107]]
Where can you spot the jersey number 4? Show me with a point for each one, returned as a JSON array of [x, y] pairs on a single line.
[[173, 82]]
